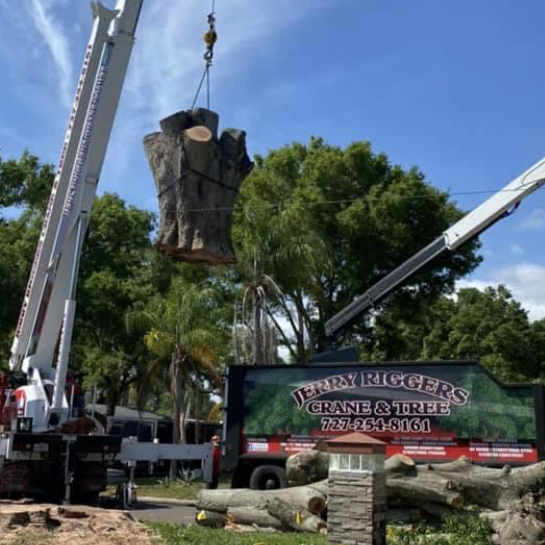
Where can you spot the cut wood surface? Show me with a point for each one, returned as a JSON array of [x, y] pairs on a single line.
[[210, 519], [43, 523], [197, 176]]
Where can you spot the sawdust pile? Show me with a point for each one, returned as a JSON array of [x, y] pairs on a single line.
[[53, 525]]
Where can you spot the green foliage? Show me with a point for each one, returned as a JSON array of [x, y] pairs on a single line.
[[25, 182], [493, 411], [326, 223], [185, 333], [114, 275], [278, 414], [454, 531], [490, 327]]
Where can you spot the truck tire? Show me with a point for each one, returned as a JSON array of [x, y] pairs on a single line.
[[268, 478]]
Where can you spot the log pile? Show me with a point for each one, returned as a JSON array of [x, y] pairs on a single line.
[[197, 175], [509, 499]]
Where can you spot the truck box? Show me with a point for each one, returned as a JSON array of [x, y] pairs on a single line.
[[430, 411]]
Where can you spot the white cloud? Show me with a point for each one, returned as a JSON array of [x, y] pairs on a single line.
[[167, 64], [168, 61], [516, 249], [524, 280], [57, 42], [536, 220]]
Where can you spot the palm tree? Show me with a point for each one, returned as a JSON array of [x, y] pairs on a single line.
[[184, 333]]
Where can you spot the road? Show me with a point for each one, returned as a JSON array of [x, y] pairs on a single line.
[[157, 511]]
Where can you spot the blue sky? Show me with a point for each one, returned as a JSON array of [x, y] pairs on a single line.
[[454, 87]]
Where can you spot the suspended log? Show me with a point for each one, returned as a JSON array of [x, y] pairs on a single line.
[[197, 177]]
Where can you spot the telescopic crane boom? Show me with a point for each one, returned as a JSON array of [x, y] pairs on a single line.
[[470, 226], [47, 314]]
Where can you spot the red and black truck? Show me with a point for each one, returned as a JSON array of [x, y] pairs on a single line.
[[430, 411]]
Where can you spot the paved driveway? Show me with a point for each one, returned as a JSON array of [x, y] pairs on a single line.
[[157, 511]]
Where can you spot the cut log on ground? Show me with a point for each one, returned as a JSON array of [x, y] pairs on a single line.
[[300, 520], [254, 517], [310, 466], [514, 498], [307, 466], [197, 176], [490, 488], [222, 500]]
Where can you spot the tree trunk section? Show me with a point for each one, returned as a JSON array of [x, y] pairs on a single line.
[[246, 516], [301, 520], [197, 177], [307, 466], [223, 500]]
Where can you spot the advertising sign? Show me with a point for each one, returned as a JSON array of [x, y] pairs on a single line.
[[426, 411]]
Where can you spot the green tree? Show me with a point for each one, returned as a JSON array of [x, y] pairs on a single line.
[[488, 326], [350, 217], [186, 334], [118, 269], [25, 184]]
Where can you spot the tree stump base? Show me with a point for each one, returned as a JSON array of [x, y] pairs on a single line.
[[197, 176]]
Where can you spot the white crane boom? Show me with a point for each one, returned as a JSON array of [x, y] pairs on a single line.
[[49, 304], [470, 226]]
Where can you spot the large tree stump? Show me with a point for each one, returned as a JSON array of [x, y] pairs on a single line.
[[197, 176]]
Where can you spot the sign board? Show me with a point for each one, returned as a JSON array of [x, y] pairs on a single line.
[[428, 411]]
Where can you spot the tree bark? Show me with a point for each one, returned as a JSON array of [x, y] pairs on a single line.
[[307, 466], [197, 176], [301, 520], [222, 500], [259, 517]]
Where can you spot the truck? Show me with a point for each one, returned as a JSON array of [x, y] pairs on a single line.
[[431, 411], [47, 447]]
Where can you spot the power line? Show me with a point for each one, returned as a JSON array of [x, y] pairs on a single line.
[[349, 201]]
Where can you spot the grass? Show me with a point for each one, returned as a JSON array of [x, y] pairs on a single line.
[[194, 535], [454, 531]]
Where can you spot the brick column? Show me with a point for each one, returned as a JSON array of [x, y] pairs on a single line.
[[356, 512]]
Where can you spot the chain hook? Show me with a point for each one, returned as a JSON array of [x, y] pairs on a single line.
[[210, 38]]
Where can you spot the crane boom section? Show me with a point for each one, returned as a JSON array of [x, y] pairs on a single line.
[[102, 21], [56, 263], [470, 226]]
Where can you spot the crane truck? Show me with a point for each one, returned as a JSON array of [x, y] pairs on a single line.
[[46, 447], [430, 411]]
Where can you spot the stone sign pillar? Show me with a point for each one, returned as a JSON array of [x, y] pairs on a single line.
[[356, 513]]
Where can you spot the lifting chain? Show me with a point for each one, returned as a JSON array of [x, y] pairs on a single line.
[[210, 38]]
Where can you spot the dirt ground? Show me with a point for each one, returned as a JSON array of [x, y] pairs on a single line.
[[42, 524]]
